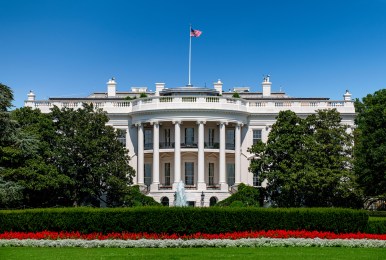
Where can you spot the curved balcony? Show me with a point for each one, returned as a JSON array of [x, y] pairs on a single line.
[[189, 102]]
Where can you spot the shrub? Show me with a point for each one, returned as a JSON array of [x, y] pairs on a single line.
[[376, 225], [184, 220], [143, 95], [246, 195], [135, 198]]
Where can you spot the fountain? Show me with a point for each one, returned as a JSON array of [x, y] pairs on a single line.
[[180, 196]]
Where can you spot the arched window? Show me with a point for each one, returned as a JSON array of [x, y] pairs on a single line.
[[165, 201], [212, 201]]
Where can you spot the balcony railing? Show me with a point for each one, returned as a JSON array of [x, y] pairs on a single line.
[[170, 145], [164, 186]]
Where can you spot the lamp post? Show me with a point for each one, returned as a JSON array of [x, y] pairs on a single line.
[[202, 199]]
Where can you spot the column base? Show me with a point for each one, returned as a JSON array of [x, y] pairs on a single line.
[[201, 186], [154, 187], [224, 186]]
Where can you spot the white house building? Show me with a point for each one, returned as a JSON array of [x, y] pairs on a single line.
[[198, 135]]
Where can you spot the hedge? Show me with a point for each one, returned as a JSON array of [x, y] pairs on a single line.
[[376, 225], [182, 220]]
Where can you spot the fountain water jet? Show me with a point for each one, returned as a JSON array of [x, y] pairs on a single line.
[[180, 200]]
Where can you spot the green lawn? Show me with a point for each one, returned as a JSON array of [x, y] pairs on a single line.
[[191, 253]]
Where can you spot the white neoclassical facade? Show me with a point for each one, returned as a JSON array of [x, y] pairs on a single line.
[[196, 135]]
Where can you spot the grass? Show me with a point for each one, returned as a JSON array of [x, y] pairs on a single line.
[[192, 253]]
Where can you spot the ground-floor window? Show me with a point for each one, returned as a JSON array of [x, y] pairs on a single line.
[[191, 203], [189, 173], [211, 174], [167, 174], [148, 174], [256, 180], [230, 174], [212, 201], [165, 201]]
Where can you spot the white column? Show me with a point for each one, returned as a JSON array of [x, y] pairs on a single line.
[[140, 155], [177, 154], [222, 166], [238, 153], [155, 183], [201, 185]]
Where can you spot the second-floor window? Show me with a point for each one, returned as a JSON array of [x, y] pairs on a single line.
[[148, 139], [211, 137], [230, 139], [167, 137], [256, 136], [122, 136], [189, 136]]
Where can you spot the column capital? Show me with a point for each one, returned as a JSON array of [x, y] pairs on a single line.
[[240, 124], [155, 123], [177, 122], [138, 124], [200, 122], [223, 123]]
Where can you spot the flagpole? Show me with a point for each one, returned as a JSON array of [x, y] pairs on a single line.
[[190, 51]]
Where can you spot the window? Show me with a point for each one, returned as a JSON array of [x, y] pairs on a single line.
[[189, 173], [211, 137], [122, 136], [211, 174], [165, 201], [230, 139], [256, 136], [212, 201], [167, 174], [167, 138], [189, 136], [148, 139], [256, 179], [231, 174], [148, 179]]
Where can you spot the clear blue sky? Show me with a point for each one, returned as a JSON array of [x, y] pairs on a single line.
[[315, 48]]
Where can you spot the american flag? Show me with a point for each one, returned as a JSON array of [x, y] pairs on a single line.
[[195, 33]]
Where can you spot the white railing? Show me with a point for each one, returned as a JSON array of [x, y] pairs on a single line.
[[212, 103]]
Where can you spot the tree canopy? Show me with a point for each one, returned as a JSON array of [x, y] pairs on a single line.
[[307, 162], [370, 143], [66, 157]]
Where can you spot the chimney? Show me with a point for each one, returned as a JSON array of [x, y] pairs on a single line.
[[218, 86], [111, 87], [31, 96], [266, 86], [158, 88], [347, 96]]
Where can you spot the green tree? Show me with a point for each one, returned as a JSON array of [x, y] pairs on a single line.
[[307, 162], [89, 153], [10, 194], [370, 143], [246, 196], [135, 198]]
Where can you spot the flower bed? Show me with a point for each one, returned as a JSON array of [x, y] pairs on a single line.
[[272, 238], [52, 235]]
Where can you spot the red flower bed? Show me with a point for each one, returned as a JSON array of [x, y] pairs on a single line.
[[234, 235]]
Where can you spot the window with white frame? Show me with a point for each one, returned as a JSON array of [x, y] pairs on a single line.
[[211, 174], [230, 174], [122, 136], [256, 179], [148, 171], [189, 173], [256, 135], [167, 174]]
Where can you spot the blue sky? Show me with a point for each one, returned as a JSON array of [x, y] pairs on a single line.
[[315, 48]]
